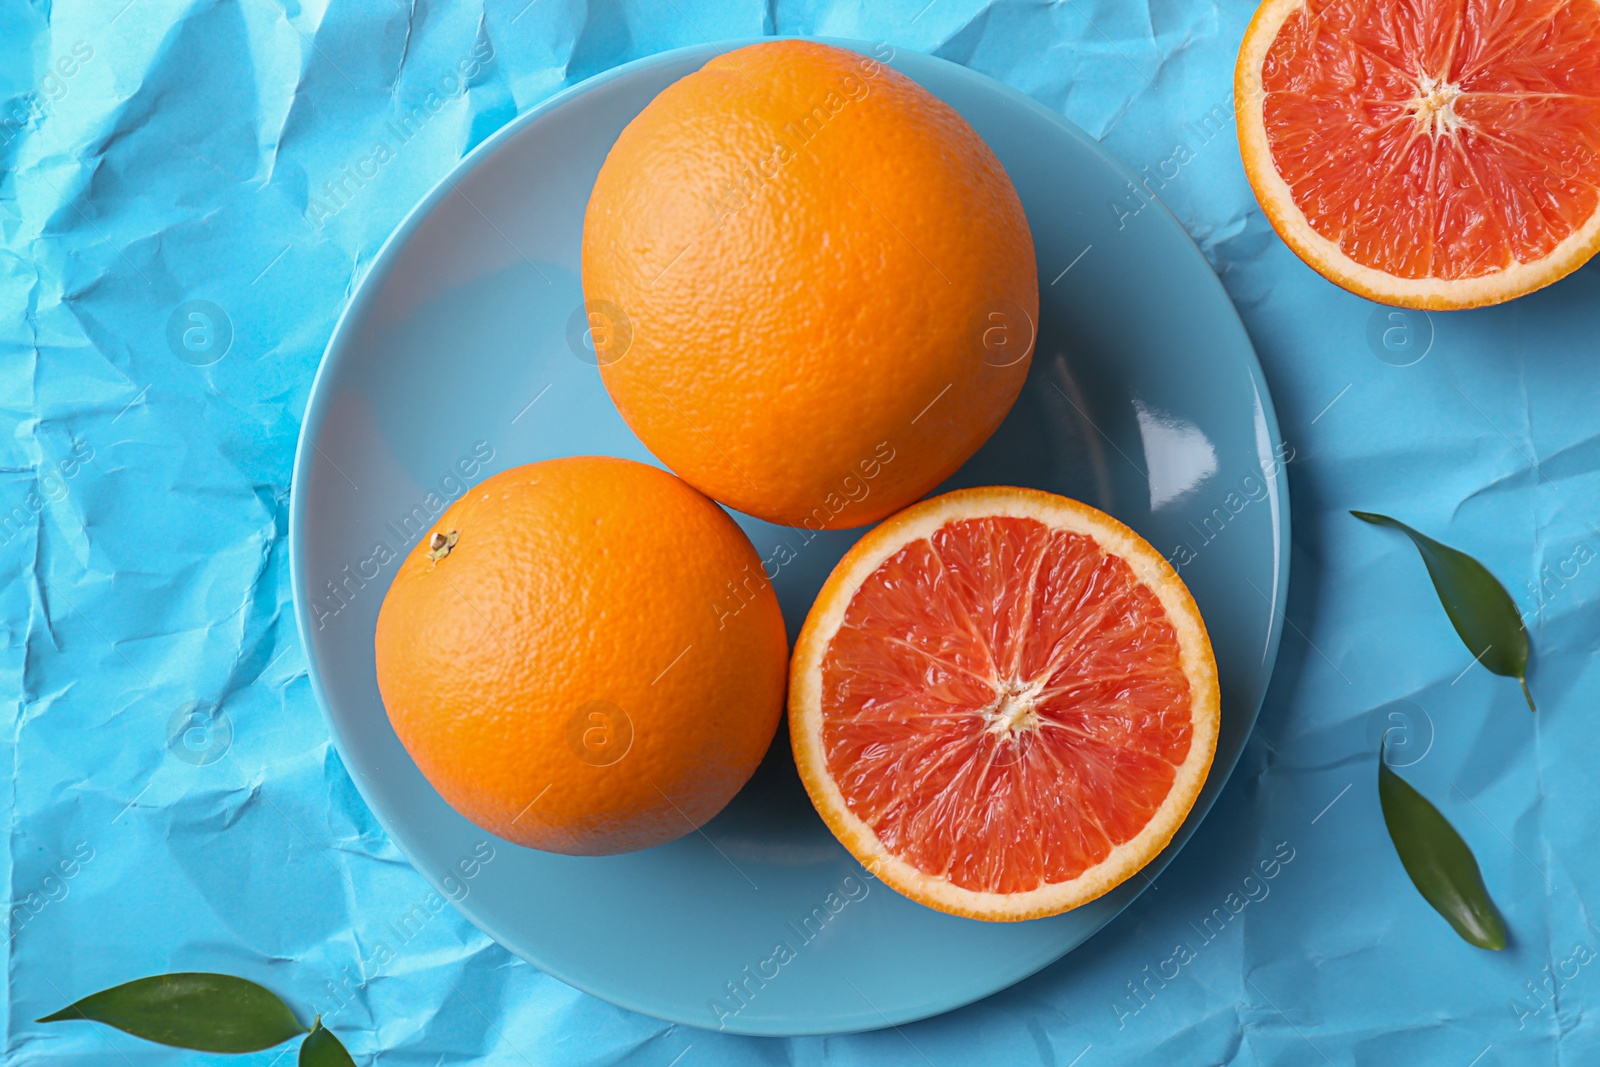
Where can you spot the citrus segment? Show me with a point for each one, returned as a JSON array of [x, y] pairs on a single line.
[[1004, 703], [1433, 154]]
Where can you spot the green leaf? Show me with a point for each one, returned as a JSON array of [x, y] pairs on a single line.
[[1440, 864], [205, 1012], [1479, 607], [322, 1049]]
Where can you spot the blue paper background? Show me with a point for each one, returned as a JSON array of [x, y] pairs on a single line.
[[143, 506]]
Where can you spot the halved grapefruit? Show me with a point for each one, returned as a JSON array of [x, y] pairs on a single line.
[[1426, 153], [1003, 703]]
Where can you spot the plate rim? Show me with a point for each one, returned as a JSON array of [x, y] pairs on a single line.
[[364, 292]]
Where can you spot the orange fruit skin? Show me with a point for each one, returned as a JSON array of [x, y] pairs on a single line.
[[810, 251], [573, 581], [806, 700]]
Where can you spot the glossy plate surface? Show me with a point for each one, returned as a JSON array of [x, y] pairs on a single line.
[[462, 353]]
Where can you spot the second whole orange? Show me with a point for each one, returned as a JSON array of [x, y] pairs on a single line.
[[561, 657], [811, 284]]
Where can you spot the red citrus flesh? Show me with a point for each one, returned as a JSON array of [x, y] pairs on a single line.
[[1445, 139], [1004, 703]]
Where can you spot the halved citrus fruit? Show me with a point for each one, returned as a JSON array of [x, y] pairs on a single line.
[[1003, 703], [1426, 154]]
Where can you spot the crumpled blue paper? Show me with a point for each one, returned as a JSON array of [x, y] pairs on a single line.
[[189, 193]]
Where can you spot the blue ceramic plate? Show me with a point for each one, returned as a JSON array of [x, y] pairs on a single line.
[[462, 354]]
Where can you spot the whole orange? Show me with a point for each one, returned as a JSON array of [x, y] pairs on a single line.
[[810, 284], [562, 659]]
